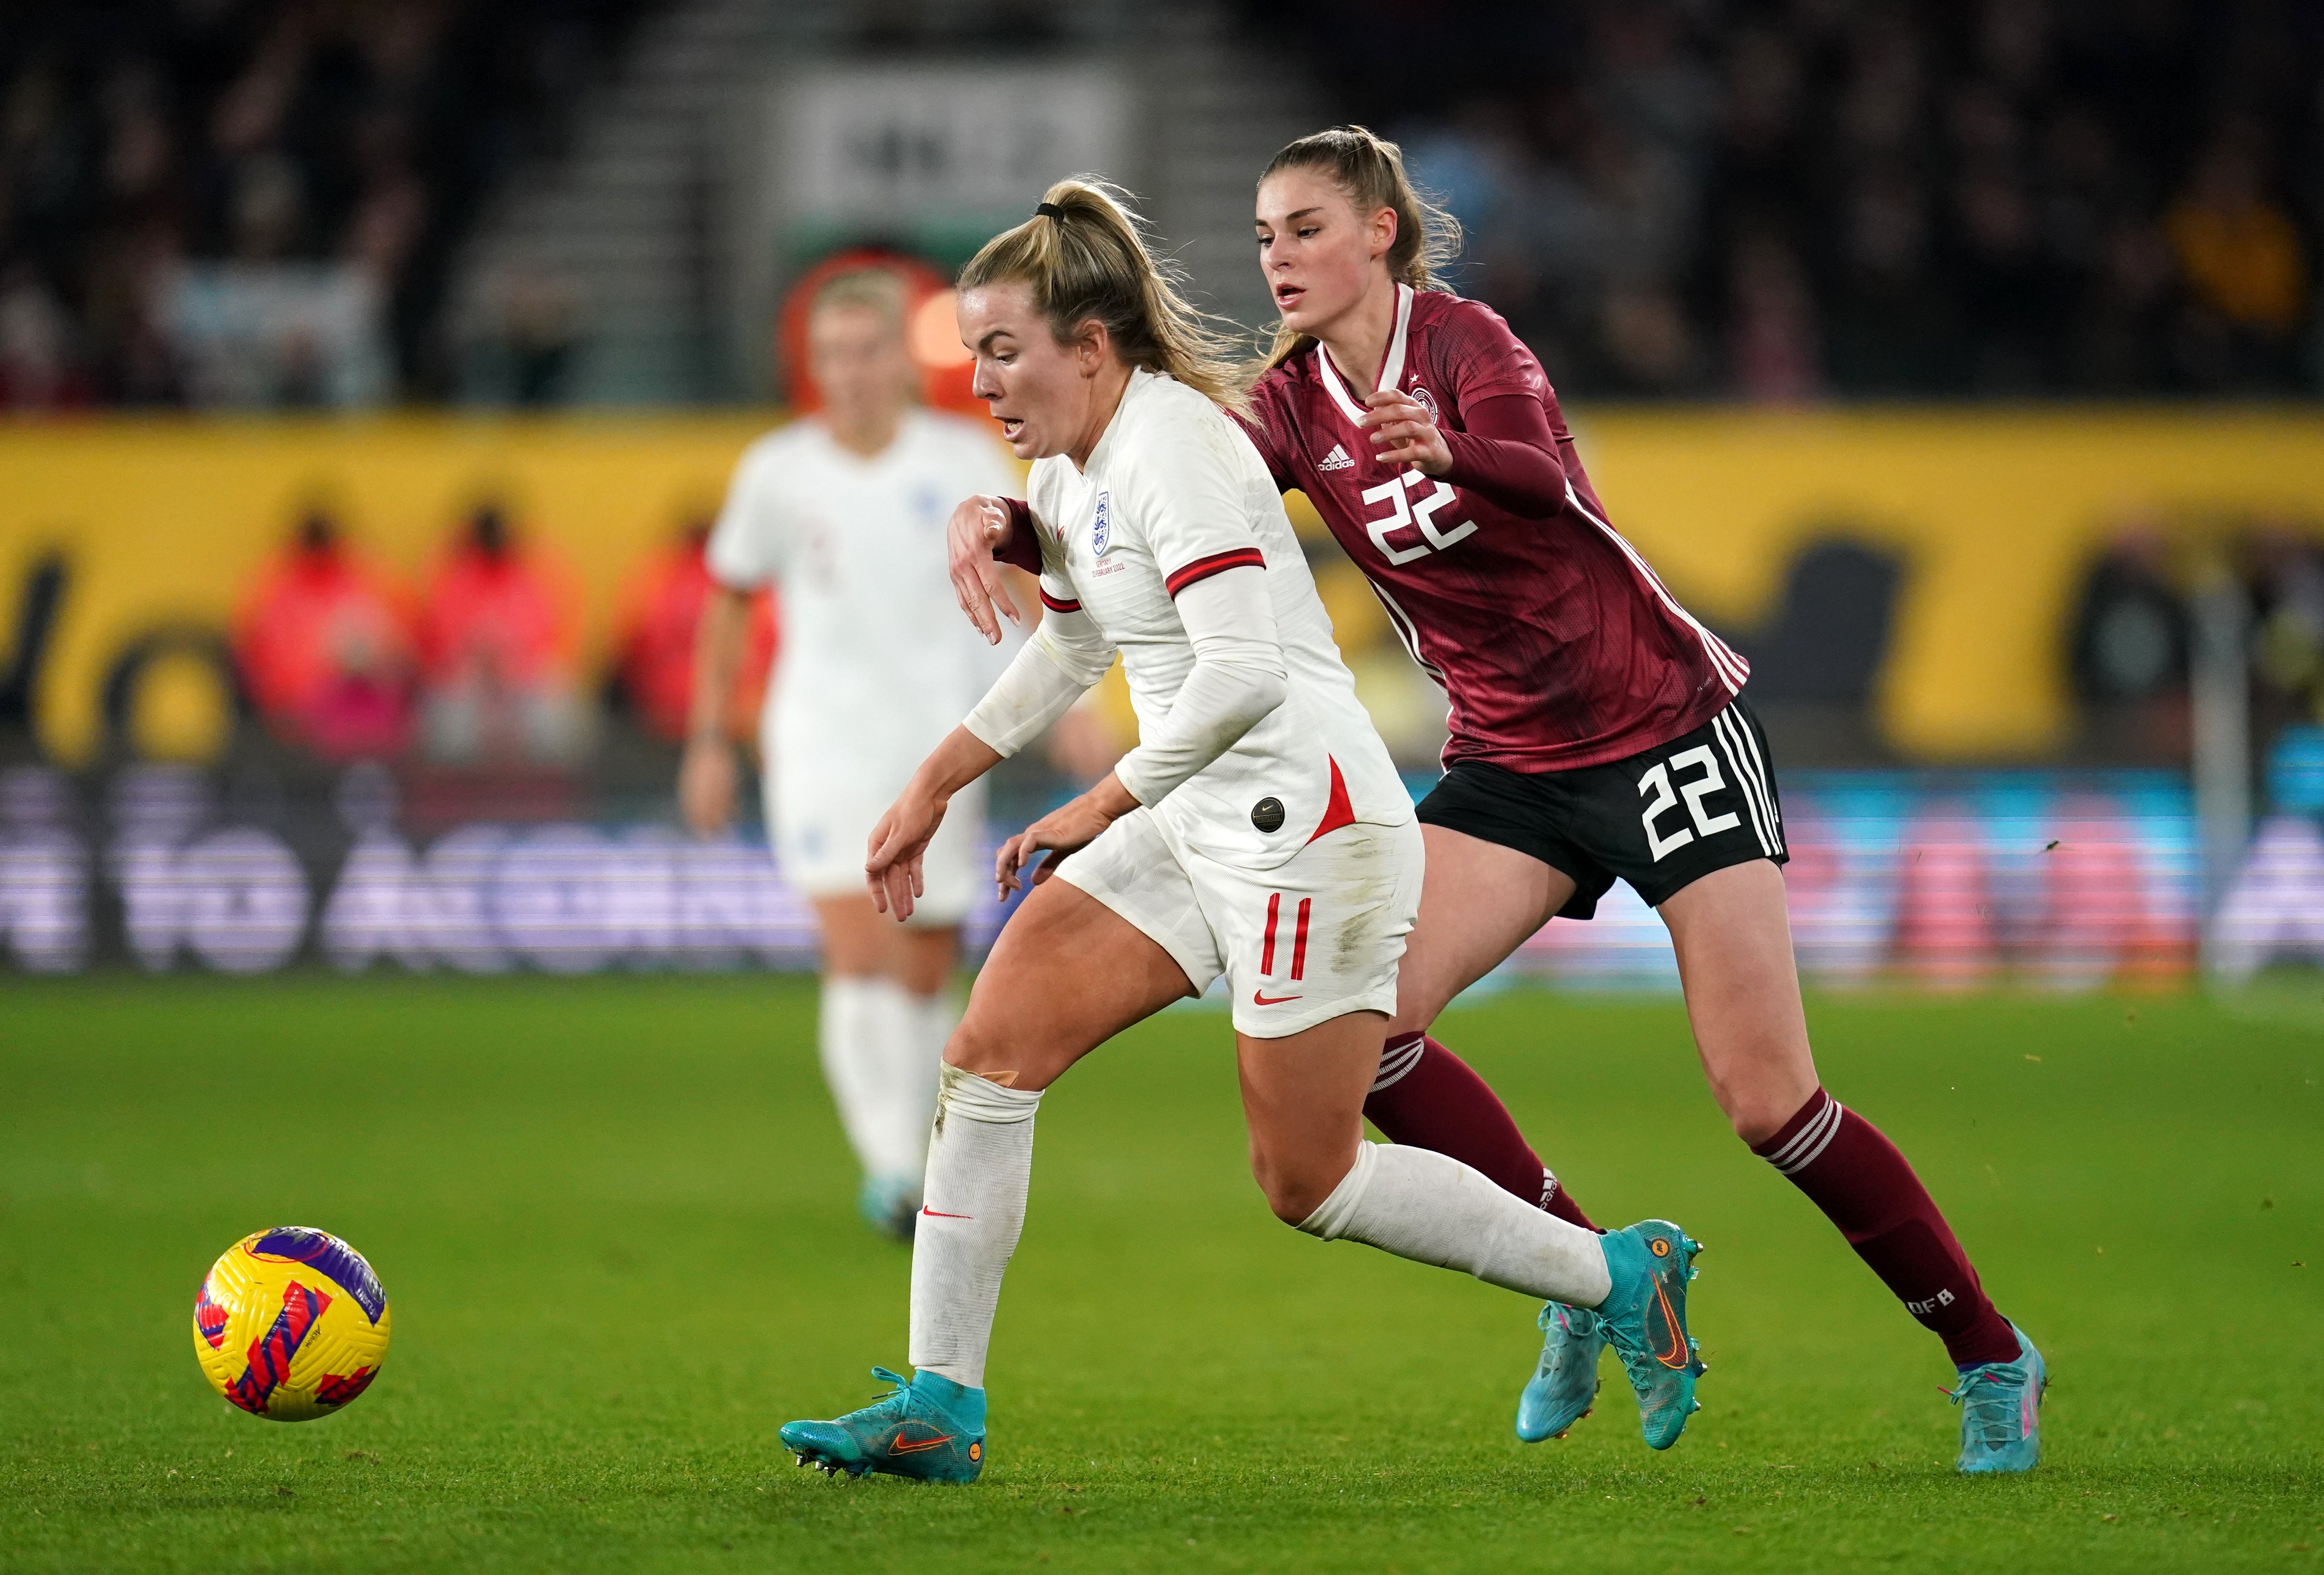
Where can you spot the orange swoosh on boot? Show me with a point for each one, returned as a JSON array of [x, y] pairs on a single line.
[[1676, 1356]]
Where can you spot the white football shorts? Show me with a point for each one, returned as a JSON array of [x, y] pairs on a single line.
[[1316, 937], [823, 820]]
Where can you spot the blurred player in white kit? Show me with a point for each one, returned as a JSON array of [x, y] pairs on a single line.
[[845, 513]]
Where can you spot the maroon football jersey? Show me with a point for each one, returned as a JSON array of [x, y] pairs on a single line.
[[1558, 645]]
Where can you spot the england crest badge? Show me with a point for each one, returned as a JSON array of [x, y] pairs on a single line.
[[1101, 533]]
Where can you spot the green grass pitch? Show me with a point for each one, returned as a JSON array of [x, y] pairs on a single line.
[[615, 1218]]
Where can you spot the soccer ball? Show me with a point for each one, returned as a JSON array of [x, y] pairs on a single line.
[[290, 1324]]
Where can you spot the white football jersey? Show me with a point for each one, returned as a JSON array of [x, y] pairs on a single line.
[[876, 663], [1173, 492]]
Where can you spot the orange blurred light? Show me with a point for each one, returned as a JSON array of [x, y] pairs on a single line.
[[931, 335], [935, 332]]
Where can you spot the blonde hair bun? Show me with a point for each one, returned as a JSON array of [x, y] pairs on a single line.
[[1086, 256]]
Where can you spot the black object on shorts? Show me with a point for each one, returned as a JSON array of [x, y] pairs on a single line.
[[1660, 820]]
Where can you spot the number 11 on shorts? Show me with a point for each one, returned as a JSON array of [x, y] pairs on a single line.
[[1298, 946]]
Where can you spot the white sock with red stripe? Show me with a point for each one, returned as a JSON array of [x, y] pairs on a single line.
[[980, 1168], [1435, 1210]]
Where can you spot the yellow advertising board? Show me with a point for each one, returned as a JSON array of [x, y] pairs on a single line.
[[1994, 513]]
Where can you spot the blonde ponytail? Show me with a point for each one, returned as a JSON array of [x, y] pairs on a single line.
[[1369, 170], [1084, 256]]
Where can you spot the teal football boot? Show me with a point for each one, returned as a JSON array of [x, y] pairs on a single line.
[[2001, 1413], [1644, 1319], [891, 1204], [930, 1429], [1564, 1387]]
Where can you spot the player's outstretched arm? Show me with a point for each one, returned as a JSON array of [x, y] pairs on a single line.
[[980, 526], [899, 842], [705, 774], [1068, 827], [1056, 666]]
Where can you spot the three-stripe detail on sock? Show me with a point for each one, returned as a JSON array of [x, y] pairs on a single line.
[[1397, 1059], [1808, 1144]]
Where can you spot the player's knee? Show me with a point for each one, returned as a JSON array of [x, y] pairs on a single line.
[[975, 1047], [1754, 1117], [1294, 1186], [1291, 1201], [1760, 1099]]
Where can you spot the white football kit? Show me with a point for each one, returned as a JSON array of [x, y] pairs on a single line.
[[1274, 843], [876, 664]]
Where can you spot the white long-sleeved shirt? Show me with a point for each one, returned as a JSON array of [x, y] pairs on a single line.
[[876, 663], [1171, 546]]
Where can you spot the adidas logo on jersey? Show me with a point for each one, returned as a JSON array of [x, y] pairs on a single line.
[[1336, 460]]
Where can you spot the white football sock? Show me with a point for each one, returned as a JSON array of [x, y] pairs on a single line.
[[980, 1168], [1432, 1209], [866, 1035], [929, 1023]]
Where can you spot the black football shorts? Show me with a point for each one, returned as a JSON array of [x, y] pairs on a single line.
[[1660, 820]]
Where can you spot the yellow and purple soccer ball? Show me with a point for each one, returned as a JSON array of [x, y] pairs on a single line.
[[290, 1324]]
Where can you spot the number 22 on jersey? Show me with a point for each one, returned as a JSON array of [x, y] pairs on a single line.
[[1403, 512]]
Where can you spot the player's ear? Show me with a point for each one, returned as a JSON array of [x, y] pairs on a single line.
[[1091, 344], [1383, 232]]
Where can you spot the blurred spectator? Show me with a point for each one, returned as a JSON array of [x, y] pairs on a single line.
[[38, 371], [540, 312], [2130, 628], [2243, 264], [326, 646], [2016, 197], [497, 649], [1647, 343], [293, 336], [2020, 196], [2120, 340], [654, 642], [1772, 351], [520, 337], [2127, 649], [2286, 578], [1895, 328], [2008, 286], [170, 167]]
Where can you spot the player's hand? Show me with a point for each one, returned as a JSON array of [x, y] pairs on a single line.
[[894, 856], [706, 785], [1062, 831], [978, 526], [1404, 433]]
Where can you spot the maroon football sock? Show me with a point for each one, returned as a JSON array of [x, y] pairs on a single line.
[[1859, 1180], [1427, 1097]]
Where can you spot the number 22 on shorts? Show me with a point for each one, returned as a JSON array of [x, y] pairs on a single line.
[[1658, 781], [1298, 947]]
